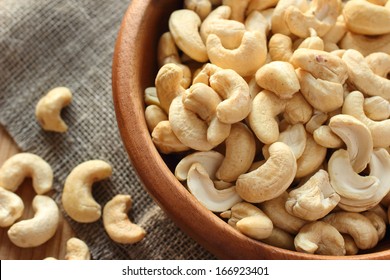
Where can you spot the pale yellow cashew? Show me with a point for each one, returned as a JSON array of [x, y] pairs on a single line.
[[11, 207], [316, 120], [297, 110], [272, 178], [238, 8], [22, 165], [150, 96], [153, 115], [379, 63], [240, 152], [77, 198], [320, 238], [40, 228], [358, 69], [48, 109], [281, 239], [77, 249], [280, 47], [116, 222], [184, 26], [366, 44], [325, 137], [363, 17], [201, 7], [260, 5], [359, 227], [336, 32], [377, 222], [313, 42], [249, 220], [377, 108], [165, 140]]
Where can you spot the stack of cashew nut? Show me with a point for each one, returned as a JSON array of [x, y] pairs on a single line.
[[280, 111]]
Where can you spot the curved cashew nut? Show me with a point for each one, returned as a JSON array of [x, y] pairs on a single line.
[[297, 109], [314, 199], [321, 16], [11, 207], [203, 100], [238, 8], [355, 224], [379, 63], [249, 220], [246, 58], [357, 136], [369, 22], [275, 210], [280, 47], [77, 198], [366, 44], [207, 70], [376, 108], [380, 130], [210, 161], [229, 31], [48, 109], [167, 53], [325, 137], [22, 165], [168, 84], [260, 5], [201, 7], [317, 119], [76, 249], [235, 91], [184, 26], [311, 159], [240, 152], [336, 32], [278, 77], [359, 69], [40, 228], [257, 186], [377, 222], [165, 140], [350, 245], [150, 96], [117, 223], [353, 188], [266, 106], [314, 42], [202, 187], [320, 238]]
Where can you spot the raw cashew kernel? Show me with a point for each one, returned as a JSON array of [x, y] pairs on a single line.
[[320, 238], [184, 26], [201, 7], [280, 47], [165, 140], [153, 115], [366, 44], [40, 228], [272, 178], [77, 198], [11, 207], [377, 222], [379, 63], [325, 137], [249, 220], [48, 109], [22, 165], [76, 249], [376, 108], [116, 222]]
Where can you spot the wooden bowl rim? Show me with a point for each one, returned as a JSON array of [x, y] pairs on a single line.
[[212, 233]]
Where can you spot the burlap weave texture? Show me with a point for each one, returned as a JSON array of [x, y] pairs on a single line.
[[50, 43]]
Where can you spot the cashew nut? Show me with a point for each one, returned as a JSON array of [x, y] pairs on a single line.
[[77, 198], [278, 77], [201, 7], [116, 222], [249, 220], [357, 136], [48, 109], [281, 239], [40, 228], [380, 130], [76, 249], [280, 47], [275, 210], [238, 8], [379, 63], [272, 178], [150, 96], [165, 140], [350, 245], [202, 187], [314, 199], [260, 5], [376, 108], [154, 115], [22, 165], [366, 44], [325, 137], [336, 32], [184, 26], [11, 207], [316, 120], [240, 152], [320, 238], [297, 110], [366, 18], [363, 78], [377, 222], [356, 225]]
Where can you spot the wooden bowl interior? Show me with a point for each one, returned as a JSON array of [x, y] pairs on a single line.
[[134, 69]]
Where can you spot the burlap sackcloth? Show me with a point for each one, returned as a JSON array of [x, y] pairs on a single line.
[[50, 43]]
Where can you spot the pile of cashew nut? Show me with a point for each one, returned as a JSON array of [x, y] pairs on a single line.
[[280, 113]]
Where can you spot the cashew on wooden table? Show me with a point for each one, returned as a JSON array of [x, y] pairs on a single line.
[[279, 112]]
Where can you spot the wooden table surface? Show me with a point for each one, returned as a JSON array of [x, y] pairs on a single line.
[[55, 247]]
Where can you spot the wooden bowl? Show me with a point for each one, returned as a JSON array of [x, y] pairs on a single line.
[[134, 69]]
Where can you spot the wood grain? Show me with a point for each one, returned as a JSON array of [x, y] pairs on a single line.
[[55, 247]]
